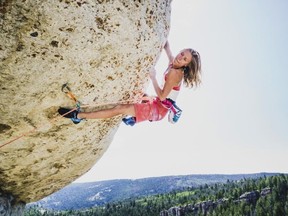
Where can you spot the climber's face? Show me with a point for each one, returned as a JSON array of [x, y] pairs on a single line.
[[183, 58]]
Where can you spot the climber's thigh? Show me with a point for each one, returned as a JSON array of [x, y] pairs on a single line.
[[127, 109]]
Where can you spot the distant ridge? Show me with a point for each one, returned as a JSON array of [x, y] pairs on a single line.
[[86, 195]]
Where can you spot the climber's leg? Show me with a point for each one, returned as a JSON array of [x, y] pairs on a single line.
[[127, 109]]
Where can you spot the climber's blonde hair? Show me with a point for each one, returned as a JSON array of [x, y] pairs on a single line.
[[192, 72]]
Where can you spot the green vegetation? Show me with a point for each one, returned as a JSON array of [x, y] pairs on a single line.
[[227, 199]]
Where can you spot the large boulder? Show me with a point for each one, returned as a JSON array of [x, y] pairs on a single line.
[[102, 49]]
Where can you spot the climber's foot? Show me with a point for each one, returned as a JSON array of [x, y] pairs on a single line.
[[68, 114], [129, 120]]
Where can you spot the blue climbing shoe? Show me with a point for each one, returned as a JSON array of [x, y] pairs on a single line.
[[129, 120], [72, 115]]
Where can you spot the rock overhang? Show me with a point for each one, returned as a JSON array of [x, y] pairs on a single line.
[[102, 49]]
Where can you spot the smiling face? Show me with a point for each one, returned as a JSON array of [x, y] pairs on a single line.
[[182, 59]]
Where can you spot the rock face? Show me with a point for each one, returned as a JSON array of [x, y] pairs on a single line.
[[102, 49]]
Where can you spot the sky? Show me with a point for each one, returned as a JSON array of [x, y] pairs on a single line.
[[237, 121]]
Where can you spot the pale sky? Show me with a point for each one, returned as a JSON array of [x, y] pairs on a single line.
[[237, 120]]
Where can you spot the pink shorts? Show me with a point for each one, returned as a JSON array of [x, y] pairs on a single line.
[[152, 111]]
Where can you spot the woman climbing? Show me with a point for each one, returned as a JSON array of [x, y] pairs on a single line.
[[185, 67]]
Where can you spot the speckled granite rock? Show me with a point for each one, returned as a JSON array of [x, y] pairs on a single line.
[[102, 49]]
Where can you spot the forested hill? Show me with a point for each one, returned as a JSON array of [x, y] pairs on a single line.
[[263, 196], [86, 195]]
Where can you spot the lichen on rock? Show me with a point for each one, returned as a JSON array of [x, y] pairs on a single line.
[[102, 49]]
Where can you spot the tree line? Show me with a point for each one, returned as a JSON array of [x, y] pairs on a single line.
[[274, 203]]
